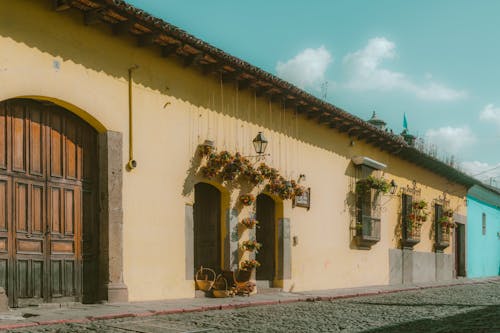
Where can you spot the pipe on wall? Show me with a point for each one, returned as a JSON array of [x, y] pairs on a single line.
[[132, 164]]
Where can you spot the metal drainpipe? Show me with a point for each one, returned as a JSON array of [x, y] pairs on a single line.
[[132, 164]]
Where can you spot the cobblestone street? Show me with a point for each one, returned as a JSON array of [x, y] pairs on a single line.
[[466, 308]]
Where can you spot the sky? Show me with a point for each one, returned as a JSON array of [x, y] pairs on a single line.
[[436, 61]]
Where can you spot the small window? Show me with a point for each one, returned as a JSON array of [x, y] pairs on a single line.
[[484, 224]]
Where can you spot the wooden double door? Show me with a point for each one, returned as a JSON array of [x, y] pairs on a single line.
[[48, 195]]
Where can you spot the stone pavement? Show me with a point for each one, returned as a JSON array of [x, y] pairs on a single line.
[[48, 314]]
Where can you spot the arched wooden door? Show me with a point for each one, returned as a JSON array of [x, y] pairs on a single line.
[[266, 235], [207, 215], [48, 192]]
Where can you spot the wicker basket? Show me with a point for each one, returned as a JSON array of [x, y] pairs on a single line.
[[221, 288], [205, 278]]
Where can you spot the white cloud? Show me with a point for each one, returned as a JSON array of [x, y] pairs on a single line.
[[366, 73], [306, 69], [483, 171], [490, 113], [450, 139]]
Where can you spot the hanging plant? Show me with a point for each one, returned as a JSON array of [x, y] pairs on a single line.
[[372, 182], [421, 204], [449, 212], [206, 149], [248, 265], [251, 245], [268, 172], [208, 172], [249, 222], [445, 222], [230, 167], [247, 199]]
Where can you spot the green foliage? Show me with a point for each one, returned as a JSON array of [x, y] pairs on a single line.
[[372, 182]]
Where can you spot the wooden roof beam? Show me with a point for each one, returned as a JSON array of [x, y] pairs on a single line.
[[363, 133], [123, 27], [344, 127], [147, 39], [325, 118], [169, 49], [190, 59], [353, 131], [93, 16]]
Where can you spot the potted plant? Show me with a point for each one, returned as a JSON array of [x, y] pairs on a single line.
[[372, 182], [248, 265], [251, 245], [247, 199], [206, 148], [421, 204], [249, 222]]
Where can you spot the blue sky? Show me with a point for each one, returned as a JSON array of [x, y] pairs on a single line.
[[436, 61]]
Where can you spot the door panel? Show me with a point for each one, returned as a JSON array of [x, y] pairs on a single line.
[[3, 204], [56, 146], [35, 143], [266, 235], [207, 250], [3, 137], [47, 158], [18, 139], [21, 206]]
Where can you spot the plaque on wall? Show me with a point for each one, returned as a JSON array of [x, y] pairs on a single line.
[[303, 200]]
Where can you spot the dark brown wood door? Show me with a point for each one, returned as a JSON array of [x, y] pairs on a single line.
[[460, 250], [207, 214], [266, 235], [47, 158]]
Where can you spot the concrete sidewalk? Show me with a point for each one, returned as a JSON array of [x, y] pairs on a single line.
[[47, 314]]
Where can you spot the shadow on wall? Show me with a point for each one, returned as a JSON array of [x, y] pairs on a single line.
[[25, 22], [484, 319]]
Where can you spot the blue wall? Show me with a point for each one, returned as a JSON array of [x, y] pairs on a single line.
[[483, 251]]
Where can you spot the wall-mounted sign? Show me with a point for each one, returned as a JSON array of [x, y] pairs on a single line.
[[303, 200]]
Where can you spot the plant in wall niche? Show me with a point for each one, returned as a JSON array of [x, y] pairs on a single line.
[[372, 182], [247, 199], [445, 223], [251, 245], [248, 265], [249, 222]]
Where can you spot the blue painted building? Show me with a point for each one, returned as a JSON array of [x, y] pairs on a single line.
[[483, 231]]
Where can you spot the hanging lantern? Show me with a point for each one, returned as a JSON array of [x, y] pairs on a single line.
[[260, 144]]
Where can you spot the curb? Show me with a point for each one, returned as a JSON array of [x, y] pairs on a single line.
[[231, 306]]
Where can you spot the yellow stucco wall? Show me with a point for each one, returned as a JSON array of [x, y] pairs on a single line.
[[55, 56]]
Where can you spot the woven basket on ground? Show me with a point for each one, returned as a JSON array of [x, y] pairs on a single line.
[[205, 278]]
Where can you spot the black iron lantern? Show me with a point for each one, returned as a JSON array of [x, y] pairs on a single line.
[[394, 187], [260, 144]]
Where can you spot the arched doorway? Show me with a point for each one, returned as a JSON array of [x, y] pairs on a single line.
[[49, 235], [266, 235], [207, 226]]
